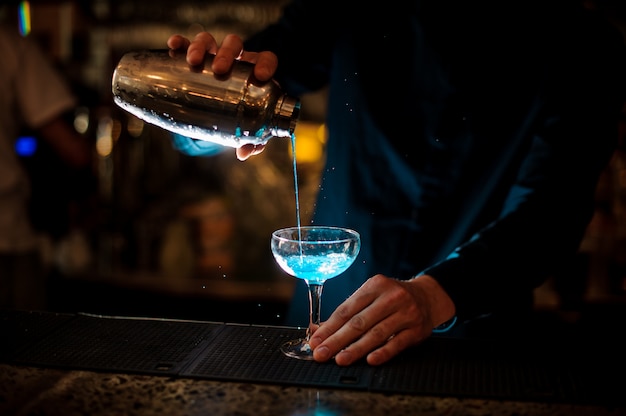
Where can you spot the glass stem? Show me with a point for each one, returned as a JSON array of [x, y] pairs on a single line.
[[315, 303]]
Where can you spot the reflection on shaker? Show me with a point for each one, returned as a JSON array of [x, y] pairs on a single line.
[[159, 87]]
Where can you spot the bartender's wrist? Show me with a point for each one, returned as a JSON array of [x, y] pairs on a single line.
[[442, 309]]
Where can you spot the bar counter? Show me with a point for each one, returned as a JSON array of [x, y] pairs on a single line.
[[58, 364], [41, 391]]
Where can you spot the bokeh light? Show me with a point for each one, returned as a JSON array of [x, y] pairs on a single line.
[[26, 146], [23, 17]]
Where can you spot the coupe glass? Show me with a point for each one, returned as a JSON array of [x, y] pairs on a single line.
[[313, 254]]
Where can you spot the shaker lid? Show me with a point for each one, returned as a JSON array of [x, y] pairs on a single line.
[[287, 112]]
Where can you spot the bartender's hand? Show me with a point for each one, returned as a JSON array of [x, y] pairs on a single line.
[[230, 50], [382, 318]]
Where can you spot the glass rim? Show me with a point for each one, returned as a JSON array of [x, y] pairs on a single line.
[[350, 233]]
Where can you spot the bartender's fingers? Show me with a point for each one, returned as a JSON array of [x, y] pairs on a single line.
[[247, 150], [202, 43], [377, 346], [392, 347], [178, 42], [230, 50], [266, 64]]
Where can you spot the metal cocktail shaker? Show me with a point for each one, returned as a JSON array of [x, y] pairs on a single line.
[[234, 109]]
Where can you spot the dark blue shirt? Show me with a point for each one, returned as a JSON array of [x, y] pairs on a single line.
[[474, 156]]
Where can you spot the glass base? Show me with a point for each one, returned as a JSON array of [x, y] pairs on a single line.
[[297, 348]]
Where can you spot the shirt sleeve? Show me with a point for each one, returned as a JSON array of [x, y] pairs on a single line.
[[547, 210], [42, 93]]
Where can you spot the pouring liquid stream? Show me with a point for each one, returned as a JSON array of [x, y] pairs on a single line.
[[295, 184], [315, 291]]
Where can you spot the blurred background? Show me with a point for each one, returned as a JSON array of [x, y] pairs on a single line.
[[157, 233]]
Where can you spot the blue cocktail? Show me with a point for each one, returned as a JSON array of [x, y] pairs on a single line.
[[313, 254]]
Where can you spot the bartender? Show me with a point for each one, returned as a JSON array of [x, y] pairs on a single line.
[[465, 143]]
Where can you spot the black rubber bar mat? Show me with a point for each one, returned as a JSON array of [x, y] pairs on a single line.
[[247, 353]]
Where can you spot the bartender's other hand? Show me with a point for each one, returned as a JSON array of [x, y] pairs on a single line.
[[382, 318]]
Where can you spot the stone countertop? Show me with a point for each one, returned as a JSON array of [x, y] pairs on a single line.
[[48, 391]]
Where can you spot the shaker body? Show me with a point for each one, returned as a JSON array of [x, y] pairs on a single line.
[[161, 88]]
